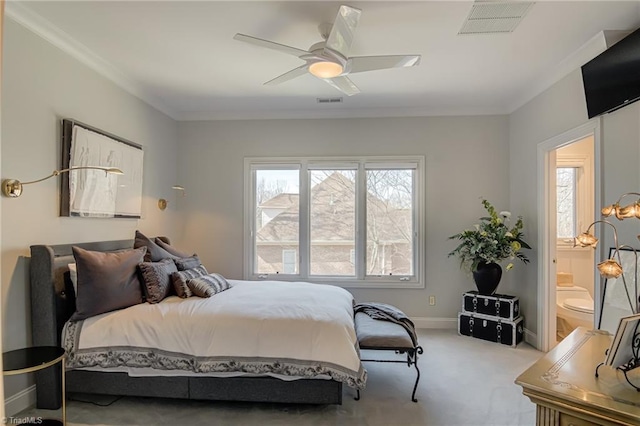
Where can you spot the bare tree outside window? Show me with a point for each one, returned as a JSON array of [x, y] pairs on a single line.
[[389, 222], [566, 202]]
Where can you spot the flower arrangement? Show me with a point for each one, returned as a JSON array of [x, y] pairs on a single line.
[[490, 241]]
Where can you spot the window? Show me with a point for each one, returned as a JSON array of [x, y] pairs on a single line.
[[350, 221], [566, 180], [573, 197]]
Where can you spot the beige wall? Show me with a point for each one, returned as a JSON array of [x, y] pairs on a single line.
[[560, 108], [466, 158], [42, 85]]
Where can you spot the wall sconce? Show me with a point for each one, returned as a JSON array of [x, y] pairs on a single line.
[[162, 203], [12, 188]]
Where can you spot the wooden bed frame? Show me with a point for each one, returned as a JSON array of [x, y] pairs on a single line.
[[53, 303]]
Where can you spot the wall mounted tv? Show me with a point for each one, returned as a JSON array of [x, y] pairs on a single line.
[[612, 79]]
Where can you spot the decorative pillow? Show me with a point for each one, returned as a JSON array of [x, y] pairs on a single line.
[[73, 275], [208, 285], [180, 279], [157, 279], [187, 263], [106, 281], [171, 249], [155, 253]]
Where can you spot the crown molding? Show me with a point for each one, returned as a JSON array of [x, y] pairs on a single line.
[[22, 15], [592, 48], [329, 111]]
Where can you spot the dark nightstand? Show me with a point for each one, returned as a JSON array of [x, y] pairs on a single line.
[[32, 359]]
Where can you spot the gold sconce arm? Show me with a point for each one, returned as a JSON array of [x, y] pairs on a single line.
[[163, 203], [12, 188]]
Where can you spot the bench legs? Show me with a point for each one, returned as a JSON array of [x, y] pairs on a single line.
[[412, 359]]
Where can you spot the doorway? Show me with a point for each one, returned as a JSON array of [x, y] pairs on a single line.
[[569, 172]]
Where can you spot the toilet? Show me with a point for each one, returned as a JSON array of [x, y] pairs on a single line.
[[574, 308]]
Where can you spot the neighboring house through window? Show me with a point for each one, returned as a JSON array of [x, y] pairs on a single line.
[[356, 222]]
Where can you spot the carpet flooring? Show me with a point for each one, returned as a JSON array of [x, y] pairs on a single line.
[[464, 382]]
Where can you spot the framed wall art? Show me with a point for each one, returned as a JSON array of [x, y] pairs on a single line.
[[95, 193]]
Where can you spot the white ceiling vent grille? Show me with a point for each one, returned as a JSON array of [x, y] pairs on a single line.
[[494, 17], [329, 100]]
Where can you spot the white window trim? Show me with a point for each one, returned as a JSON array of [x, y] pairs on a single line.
[[417, 280], [583, 197]]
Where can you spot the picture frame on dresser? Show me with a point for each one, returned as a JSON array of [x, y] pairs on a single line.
[[619, 293], [621, 350], [93, 193]]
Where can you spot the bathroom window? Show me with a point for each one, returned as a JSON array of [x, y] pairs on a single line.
[[566, 180], [573, 200]]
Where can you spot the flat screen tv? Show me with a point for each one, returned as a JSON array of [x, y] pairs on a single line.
[[612, 79]]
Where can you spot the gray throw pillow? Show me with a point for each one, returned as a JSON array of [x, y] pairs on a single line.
[[208, 285], [157, 279], [187, 263], [155, 253], [171, 249], [180, 279], [107, 281]]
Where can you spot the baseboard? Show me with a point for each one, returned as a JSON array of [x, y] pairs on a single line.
[[20, 401], [531, 338], [427, 322]]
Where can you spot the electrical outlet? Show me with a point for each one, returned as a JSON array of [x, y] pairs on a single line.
[[432, 300]]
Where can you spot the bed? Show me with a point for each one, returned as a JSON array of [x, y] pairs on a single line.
[[230, 375]]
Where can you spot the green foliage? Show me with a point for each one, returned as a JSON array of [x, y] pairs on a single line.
[[490, 241]]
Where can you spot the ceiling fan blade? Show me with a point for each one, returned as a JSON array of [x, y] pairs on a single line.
[[270, 45], [371, 63], [289, 75], [341, 35], [343, 84]]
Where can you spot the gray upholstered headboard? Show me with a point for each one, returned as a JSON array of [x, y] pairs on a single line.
[[52, 297]]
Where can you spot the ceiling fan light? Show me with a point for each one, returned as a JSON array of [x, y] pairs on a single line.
[[326, 69]]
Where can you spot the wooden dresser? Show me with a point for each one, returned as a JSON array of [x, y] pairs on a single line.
[[563, 385]]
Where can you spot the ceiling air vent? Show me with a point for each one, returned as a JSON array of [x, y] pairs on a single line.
[[494, 17], [329, 100]]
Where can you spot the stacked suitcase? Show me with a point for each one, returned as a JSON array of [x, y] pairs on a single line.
[[495, 318]]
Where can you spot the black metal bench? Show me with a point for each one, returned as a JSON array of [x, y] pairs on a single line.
[[380, 335]]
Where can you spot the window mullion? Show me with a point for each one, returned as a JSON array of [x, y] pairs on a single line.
[[361, 222], [304, 221]]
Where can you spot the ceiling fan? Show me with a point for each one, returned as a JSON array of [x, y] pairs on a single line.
[[329, 59]]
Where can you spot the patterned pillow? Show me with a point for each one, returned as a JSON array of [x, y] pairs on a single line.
[[187, 263], [157, 279], [180, 279], [208, 285]]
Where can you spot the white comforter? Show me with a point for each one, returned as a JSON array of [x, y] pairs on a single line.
[[267, 327]]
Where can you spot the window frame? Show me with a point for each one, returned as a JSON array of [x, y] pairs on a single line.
[[304, 164], [582, 196]]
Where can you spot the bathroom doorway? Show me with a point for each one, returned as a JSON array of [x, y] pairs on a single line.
[[569, 191], [575, 283]]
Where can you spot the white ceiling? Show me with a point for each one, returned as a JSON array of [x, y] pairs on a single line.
[[180, 56]]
